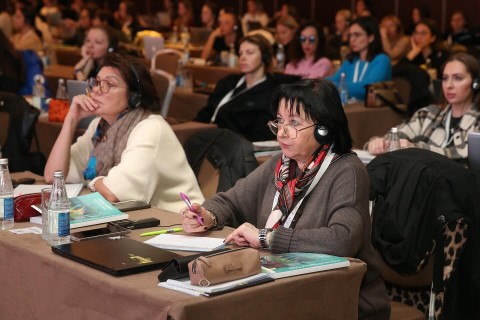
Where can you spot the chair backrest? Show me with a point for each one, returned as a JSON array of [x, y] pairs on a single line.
[[167, 60], [404, 88], [165, 85]]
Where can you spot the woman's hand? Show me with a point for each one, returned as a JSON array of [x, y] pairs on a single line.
[[85, 53], [377, 146], [82, 106], [246, 236], [404, 144], [190, 222]]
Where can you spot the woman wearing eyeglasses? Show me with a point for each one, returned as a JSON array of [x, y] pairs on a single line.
[[311, 198], [128, 152], [307, 53], [366, 63]]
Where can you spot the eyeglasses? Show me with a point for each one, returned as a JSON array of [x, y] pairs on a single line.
[[104, 85], [356, 34], [288, 130], [309, 39]]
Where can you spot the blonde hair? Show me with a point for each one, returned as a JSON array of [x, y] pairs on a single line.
[[289, 22], [396, 21]]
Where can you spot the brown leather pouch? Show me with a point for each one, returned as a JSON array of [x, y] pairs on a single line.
[[224, 266], [22, 206]]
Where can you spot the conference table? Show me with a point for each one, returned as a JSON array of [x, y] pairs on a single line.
[[38, 284]]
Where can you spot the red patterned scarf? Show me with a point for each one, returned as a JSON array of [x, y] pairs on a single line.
[[288, 185]]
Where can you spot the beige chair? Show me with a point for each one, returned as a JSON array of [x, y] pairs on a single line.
[[166, 60], [165, 85]]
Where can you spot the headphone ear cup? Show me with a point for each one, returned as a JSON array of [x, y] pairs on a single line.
[[134, 99], [321, 134], [475, 84]]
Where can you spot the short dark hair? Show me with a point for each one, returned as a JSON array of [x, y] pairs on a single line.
[[124, 64], [320, 101], [262, 43], [432, 26], [296, 52], [370, 26]]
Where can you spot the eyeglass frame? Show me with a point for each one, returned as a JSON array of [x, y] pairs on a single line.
[[92, 82], [356, 34], [309, 39], [286, 132]]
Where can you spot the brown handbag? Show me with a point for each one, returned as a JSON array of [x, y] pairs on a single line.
[[22, 206], [382, 94], [224, 266]]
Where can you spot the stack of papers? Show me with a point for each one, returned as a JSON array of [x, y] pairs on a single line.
[[185, 286]]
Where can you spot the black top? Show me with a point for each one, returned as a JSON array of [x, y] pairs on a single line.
[[437, 59], [248, 111]]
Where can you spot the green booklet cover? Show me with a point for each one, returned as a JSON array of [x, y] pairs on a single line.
[[295, 263], [91, 209]]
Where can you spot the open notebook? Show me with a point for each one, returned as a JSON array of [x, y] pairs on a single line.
[[185, 243]]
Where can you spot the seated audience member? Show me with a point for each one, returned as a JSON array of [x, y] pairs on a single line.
[[11, 66], [68, 27], [285, 10], [426, 49], [128, 151], [307, 53], [184, 15], [209, 15], [285, 31], [364, 8], [241, 102], [418, 13], [338, 43], [25, 36], [394, 42], [5, 18], [128, 18], [255, 17], [460, 33], [312, 130], [223, 38], [85, 22], [444, 128], [366, 63], [165, 16], [98, 43]]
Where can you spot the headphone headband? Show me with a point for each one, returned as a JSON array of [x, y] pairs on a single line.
[[135, 97]]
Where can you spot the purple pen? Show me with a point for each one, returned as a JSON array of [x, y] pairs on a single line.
[[189, 205]]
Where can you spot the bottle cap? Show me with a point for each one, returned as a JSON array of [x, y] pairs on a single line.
[[394, 130], [58, 174], [4, 161]]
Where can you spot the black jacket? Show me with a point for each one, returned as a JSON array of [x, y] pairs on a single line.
[[248, 112]]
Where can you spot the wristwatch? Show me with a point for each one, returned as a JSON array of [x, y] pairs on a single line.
[[262, 237]]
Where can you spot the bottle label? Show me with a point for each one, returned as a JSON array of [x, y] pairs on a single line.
[[344, 97], [6, 208], [64, 224]]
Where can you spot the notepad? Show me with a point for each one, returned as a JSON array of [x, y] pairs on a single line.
[[185, 243], [73, 190]]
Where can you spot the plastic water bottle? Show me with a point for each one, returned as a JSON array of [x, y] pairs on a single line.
[[232, 58], [185, 36], [393, 140], [58, 212], [38, 91], [6, 196], [61, 90], [280, 56], [343, 89], [174, 35]]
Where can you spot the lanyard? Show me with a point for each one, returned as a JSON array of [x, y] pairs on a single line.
[[355, 75], [448, 139], [318, 176], [229, 97]]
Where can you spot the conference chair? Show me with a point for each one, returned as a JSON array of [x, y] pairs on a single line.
[[404, 88], [166, 60], [165, 85], [424, 206]]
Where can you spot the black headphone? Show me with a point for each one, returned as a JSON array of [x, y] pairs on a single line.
[[322, 134], [476, 84], [135, 97]]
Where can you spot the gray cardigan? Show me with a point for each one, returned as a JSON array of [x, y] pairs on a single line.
[[335, 220]]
